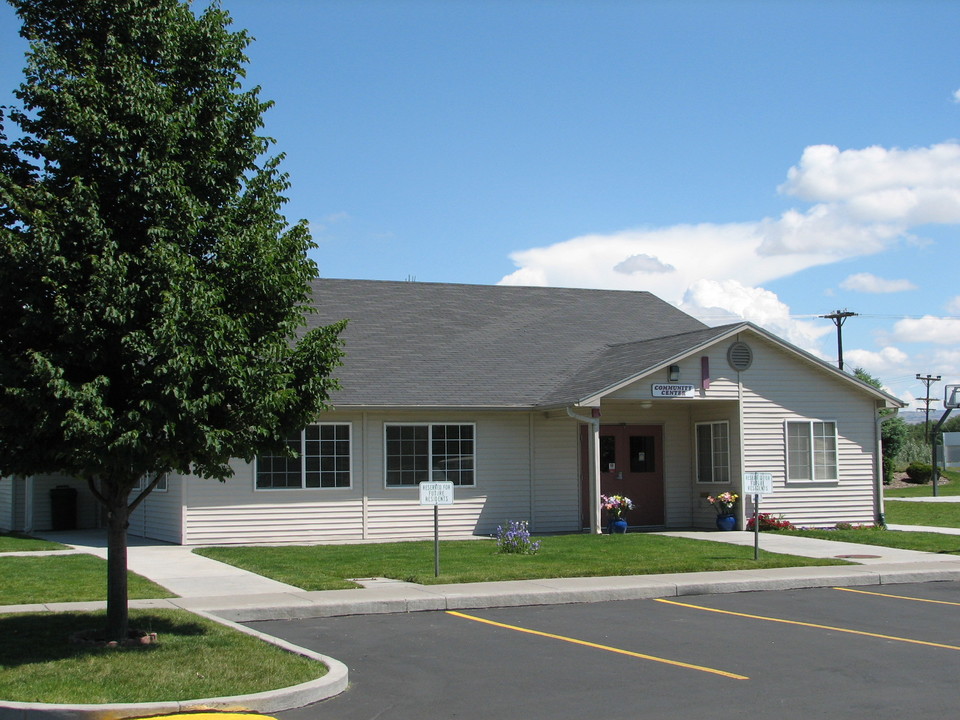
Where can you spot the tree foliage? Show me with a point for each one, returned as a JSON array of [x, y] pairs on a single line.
[[151, 291], [893, 432]]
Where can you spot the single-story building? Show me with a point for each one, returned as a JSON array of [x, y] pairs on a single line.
[[533, 402]]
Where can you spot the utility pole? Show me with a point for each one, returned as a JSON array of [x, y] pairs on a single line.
[[928, 380], [839, 317]]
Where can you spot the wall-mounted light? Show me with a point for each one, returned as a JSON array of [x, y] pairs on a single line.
[[674, 373], [646, 404]]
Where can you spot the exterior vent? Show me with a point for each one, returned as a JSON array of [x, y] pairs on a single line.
[[740, 356]]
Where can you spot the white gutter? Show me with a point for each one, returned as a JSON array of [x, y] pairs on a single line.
[[594, 468]]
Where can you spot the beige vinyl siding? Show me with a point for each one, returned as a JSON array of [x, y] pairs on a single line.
[[702, 513], [723, 380], [556, 494], [775, 391], [10, 488], [87, 505], [234, 511], [159, 516], [502, 471]]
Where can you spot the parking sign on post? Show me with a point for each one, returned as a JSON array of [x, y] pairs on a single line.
[[436, 494], [757, 484]]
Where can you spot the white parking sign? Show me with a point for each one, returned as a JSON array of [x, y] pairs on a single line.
[[436, 493], [757, 483]]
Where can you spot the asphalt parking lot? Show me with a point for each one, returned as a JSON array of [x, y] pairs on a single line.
[[887, 651]]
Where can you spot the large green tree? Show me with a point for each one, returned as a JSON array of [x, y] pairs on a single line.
[[893, 432], [152, 296]]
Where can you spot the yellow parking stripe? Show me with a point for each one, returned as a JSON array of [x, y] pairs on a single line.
[[812, 625], [600, 647], [898, 597]]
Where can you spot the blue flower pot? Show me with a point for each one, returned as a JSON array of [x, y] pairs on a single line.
[[726, 522], [617, 527]]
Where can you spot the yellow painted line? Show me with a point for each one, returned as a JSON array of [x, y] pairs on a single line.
[[812, 625], [898, 597], [630, 653], [204, 715]]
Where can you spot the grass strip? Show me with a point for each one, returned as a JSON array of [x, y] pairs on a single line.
[[923, 513], [193, 658], [64, 578], [15, 542], [327, 567], [905, 540]]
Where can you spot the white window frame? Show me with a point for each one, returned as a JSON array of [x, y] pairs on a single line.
[[145, 480], [713, 451], [813, 455], [431, 474], [303, 458]]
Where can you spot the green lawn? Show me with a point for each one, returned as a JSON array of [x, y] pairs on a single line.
[[950, 488], [326, 567], [64, 578], [923, 513], [14, 542], [193, 658], [923, 541]]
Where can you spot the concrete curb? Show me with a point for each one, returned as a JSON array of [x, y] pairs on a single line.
[[472, 596], [333, 683]]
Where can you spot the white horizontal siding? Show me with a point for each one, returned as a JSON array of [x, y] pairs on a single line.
[[556, 475], [723, 380], [776, 391], [8, 505], [87, 505], [159, 516]]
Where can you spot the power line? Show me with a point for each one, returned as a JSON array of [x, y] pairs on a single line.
[[928, 380], [839, 317]]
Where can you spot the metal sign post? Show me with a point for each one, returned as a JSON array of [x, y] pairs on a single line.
[[757, 484], [436, 494]]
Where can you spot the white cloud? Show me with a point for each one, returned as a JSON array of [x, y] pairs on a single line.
[[889, 360], [718, 302], [868, 283], [858, 202], [642, 264], [956, 96], [953, 305], [827, 174], [938, 330]]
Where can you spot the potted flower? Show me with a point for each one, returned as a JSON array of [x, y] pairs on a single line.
[[616, 506], [723, 504]]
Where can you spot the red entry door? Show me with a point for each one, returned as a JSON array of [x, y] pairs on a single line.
[[631, 464]]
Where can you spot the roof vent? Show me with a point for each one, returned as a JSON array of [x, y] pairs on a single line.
[[740, 356]]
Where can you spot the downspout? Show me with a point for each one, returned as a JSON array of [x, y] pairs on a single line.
[[594, 465], [879, 513]]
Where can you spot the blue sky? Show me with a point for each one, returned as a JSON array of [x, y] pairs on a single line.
[[773, 160]]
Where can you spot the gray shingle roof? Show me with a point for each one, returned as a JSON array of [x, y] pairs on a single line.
[[425, 344]]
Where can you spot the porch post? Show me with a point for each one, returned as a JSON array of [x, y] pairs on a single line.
[[593, 464], [595, 477]]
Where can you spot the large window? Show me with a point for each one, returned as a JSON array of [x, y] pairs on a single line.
[[713, 452], [321, 459], [811, 450], [421, 453]]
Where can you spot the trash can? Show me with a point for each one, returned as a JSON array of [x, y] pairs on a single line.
[[63, 508]]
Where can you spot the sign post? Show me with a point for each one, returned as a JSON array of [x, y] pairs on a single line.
[[757, 484], [436, 494]]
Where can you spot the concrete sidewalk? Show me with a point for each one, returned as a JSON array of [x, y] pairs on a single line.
[[212, 587]]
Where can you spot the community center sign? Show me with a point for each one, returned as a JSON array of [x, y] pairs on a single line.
[[672, 390]]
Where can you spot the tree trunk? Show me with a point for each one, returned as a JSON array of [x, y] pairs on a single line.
[[117, 518]]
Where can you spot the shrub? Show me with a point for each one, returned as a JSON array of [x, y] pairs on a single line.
[[770, 522], [516, 539], [919, 473]]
